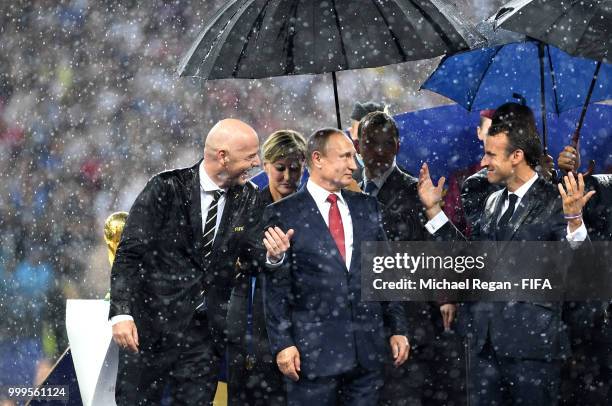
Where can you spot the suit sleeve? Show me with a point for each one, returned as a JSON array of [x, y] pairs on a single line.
[[277, 295], [253, 252], [143, 227]]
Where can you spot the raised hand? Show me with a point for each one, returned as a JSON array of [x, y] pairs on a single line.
[[430, 194], [574, 199]]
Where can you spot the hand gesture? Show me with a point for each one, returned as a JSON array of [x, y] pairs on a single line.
[[574, 199], [430, 194], [277, 243]]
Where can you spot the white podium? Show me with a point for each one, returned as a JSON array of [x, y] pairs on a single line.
[[94, 353]]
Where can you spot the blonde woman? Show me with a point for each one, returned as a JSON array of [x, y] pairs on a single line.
[[254, 378]]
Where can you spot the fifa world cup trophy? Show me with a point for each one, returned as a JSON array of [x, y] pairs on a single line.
[[113, 227]]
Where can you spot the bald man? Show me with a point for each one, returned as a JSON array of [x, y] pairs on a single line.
[[171, 278]]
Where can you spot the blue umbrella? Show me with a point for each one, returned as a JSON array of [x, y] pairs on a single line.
[[445, 138], [538, 73]]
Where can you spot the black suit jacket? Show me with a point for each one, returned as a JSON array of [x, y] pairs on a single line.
[[239, 302], [403, 220], [159, 271], [538, 217], [474, 193], [313, 302], [402, 210]]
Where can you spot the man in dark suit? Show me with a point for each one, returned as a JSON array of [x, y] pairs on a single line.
[[172, 275], [505, 365], [329, 343], [587, 376], [417, 381]]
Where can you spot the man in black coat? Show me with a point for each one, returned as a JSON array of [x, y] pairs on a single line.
[[587, 376], [172, 275], [514, 357], [417, 381]]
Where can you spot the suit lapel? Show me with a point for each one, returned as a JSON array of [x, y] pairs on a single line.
[[313, 217], [356, 216], [491, 222], [231, 198], [386, 192], [526, 206], [195, 210]]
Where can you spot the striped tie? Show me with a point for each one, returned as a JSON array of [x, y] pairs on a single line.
[[211, 222]]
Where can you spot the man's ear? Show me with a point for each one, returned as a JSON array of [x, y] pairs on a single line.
[[222, 156], [518, 156], [316, 159]]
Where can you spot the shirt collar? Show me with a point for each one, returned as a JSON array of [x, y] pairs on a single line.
[[522, 191], [319, 194], [380, 180], [206, 183]]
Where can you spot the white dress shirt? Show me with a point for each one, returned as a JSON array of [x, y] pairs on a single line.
[[578, 235], [320, 197], [207, 189]]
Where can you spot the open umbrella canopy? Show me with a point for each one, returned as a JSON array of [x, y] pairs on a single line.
[[445, 138], [265, 38], [488, 77], [581, 28]]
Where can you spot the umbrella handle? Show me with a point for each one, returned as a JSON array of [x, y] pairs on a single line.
[[575, 140]]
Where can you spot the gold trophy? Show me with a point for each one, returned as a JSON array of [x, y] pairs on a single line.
[[113, 227]]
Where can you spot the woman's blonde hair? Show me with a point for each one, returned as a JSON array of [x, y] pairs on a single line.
[[282, 144]]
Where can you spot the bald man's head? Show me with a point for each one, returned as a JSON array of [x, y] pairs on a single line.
[[231, 152]]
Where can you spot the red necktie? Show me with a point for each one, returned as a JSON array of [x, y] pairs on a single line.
[[335, 224]]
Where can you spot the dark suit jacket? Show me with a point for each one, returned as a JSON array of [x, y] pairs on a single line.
[[474, 193], [403, 220], [586, 320], [538, 217], [239, 302], [159, 270], [402, 210], [313, 302]]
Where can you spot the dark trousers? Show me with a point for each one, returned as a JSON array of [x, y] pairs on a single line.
[[495, 380], [587, 376], [263, 385], [188, 365], [358, 387]]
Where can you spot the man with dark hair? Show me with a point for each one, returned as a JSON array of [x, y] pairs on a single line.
[[506, 368], [476, 188], [416, 382], [171, 278], [329, 343], [360, 110]]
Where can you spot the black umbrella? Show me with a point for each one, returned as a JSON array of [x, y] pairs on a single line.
[[263, 38], [578, 27]]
